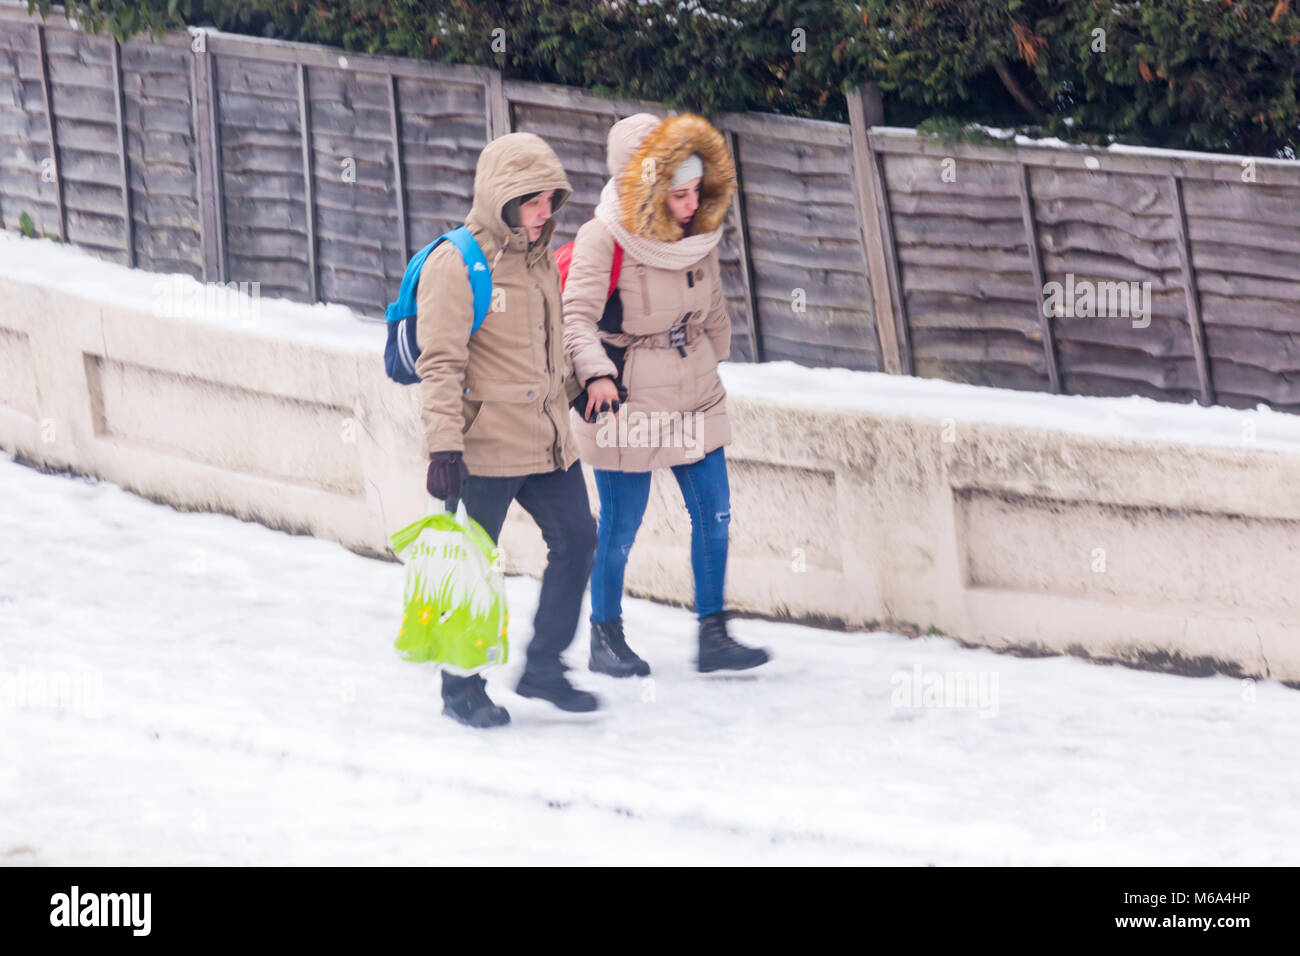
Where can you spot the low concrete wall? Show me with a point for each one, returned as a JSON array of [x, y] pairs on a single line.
[[1159, 554]]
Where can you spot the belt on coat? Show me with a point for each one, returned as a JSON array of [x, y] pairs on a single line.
[[679, 336]]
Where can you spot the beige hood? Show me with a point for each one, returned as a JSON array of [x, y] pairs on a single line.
[[642, 143], [644, 198], [625, 137], [511, 166]]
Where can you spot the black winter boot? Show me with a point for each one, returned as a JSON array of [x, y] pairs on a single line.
[[551, 685], [718, 652], [470, 704], [610, 653]]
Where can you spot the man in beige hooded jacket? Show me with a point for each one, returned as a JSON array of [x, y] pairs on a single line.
[[495, 404]]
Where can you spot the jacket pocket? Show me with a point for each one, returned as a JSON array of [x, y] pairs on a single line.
[[502, 392], [705, 345], [646, 308], [708, 383], [471, 412], [503, 422]]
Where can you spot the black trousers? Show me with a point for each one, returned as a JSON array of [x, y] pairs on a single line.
[[557, 501]]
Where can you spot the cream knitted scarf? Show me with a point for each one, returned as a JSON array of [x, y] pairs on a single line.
[[662, 255]]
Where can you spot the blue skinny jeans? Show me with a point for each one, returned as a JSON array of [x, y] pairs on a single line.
[[623, 498]]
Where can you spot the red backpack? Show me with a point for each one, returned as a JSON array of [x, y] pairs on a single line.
[[611, 319], [564, 256]]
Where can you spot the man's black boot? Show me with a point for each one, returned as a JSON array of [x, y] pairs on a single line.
[[550, 684], [610, 653], [469, 704], [718, 652]]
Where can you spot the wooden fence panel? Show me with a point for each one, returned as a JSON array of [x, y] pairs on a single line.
[[442, 129], [578, 136], [358, 239], [262, 175], [89, 161], [965, 269], [162, 157], [737, 279], [814, 299], [1104, 228], [1245, 240], [24, 141]]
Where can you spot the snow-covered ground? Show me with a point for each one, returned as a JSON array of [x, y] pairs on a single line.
[[228, 694]]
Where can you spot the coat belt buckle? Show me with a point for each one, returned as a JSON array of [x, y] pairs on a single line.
[[677, 335]]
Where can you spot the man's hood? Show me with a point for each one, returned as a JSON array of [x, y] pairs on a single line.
[[509, 167]]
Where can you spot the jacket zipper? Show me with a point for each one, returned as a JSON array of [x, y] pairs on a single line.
[[546, 406]]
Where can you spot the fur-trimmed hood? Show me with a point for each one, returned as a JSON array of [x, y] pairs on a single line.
[[643, 155]]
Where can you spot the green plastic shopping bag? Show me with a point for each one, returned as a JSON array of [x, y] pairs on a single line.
[[454, 600]]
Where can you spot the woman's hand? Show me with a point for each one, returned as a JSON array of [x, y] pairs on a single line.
[[602, 395]]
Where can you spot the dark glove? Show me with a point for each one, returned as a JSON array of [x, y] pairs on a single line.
[[580, 403], [443, 480]]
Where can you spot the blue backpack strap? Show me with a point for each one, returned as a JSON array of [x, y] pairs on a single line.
[[480, 277], [402, 348]]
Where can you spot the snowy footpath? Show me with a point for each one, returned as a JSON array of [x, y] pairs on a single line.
[[186, 688]]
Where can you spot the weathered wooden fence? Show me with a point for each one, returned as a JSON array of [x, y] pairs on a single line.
[[980, 230], [317, 172]]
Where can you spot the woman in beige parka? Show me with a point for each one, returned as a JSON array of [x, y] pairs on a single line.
[[660, 336]]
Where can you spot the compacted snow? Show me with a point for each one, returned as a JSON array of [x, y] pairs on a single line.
[[187, 688]]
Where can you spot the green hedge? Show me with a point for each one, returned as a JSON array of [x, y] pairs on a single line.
[[1217, 75]]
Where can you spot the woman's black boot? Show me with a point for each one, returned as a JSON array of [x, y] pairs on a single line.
[[718, 652], [610, 653]]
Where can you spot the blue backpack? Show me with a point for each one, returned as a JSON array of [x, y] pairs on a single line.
[[403, 349]]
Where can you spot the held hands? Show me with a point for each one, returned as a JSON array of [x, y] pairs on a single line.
[[601, 395]]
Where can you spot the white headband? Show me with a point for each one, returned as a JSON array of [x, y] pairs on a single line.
[[690, 167]]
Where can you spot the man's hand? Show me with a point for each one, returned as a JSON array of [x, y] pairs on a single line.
[[443, 480]]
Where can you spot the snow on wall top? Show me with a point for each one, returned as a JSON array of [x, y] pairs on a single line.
[[69, 269], [49, 265], [1136, 417]]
